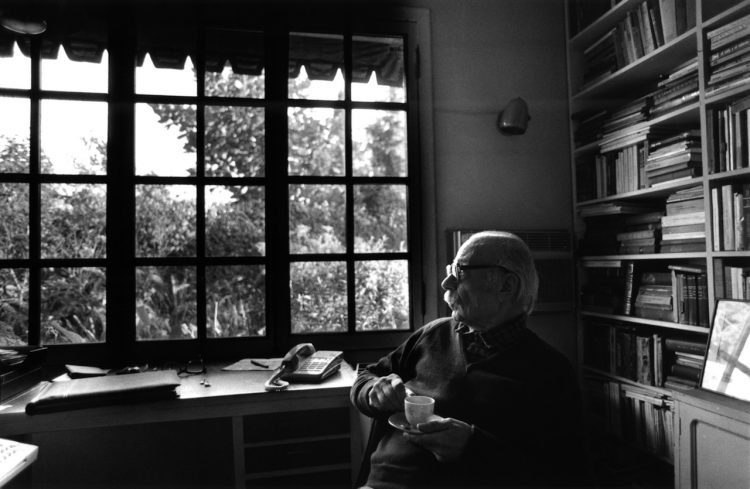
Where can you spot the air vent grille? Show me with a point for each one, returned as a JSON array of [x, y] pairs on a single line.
[[546, 240]]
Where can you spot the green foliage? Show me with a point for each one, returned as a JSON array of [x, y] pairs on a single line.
[[74, 225]]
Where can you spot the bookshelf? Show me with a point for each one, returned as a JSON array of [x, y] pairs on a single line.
[[659, 99]]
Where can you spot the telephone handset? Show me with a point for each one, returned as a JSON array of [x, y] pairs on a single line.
[[303, 364]]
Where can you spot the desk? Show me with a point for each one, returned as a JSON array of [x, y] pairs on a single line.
[[259, 419]]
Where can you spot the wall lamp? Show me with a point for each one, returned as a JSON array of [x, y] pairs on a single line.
[[22, 24], [512, 120]]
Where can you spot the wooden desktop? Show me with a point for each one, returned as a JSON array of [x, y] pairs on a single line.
[[271, 421]]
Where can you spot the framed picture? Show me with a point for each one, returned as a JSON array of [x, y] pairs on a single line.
[[727, 366]]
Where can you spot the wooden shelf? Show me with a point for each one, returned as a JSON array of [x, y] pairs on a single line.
[[650, 322]]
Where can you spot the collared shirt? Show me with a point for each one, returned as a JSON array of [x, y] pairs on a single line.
[[479, 345]]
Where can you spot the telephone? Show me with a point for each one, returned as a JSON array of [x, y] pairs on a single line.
[[303, 364]]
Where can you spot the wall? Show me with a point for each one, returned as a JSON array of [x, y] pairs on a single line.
[[485, 53]]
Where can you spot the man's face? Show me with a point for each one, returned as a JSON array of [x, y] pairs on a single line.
[[472, 297]]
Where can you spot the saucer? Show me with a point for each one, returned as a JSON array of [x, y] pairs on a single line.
[[398, 421]]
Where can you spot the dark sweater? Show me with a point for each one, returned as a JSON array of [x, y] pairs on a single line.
[[523, 402]]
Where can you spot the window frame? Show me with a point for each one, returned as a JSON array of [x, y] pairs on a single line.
[[120, 345]]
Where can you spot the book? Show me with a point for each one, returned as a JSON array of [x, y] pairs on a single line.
[[685, 345], [108, 389], [644, 360]]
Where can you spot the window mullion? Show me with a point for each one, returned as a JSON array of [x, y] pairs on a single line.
[[278, 305], [121, 190], [200, 214], [35, 199], [350, 274]]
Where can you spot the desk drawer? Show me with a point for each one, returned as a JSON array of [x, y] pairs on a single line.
[[295, 424], [295, 455]]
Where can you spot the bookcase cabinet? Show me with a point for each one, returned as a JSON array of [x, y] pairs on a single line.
[[659, 99]]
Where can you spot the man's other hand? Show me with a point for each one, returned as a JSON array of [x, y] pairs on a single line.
[[446, 438]]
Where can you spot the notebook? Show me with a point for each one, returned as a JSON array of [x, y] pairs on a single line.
[[108, 389]]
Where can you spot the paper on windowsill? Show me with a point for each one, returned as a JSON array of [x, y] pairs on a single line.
[[247, 364]]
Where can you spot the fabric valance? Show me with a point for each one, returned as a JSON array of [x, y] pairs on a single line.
[[321, 55]]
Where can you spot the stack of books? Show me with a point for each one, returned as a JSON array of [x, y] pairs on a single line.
[[729, 55], [677, 156], [654, 299], [641, 233], [676, 89], [687, 362], [683, 228]]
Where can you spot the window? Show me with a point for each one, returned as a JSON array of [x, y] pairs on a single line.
[[237, 188]]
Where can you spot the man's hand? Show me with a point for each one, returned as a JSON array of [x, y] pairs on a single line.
[[446, 438], [387, 394]]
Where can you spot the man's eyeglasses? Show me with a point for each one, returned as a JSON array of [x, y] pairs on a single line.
[[457, 270]]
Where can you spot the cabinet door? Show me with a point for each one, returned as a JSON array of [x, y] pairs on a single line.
[[714, 450]]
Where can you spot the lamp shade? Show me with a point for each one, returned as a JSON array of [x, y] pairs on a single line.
[[514, 119]]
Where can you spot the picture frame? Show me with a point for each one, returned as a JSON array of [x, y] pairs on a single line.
[[727, 366]]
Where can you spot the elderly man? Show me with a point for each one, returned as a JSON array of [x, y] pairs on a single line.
[[507, 404]]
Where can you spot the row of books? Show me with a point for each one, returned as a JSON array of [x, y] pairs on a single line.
[[676, 294], [617, 227], [645, 160], [728, 133], [645, 28], [731, 281], [729, 55], [640, 416], [730, 217], [650, 359]]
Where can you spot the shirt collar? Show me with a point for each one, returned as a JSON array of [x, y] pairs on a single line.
[[500, 336]]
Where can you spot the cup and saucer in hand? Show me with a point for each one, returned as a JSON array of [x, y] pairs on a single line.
[[417, 409]]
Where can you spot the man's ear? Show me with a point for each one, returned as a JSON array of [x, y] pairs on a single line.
[[511, 284]]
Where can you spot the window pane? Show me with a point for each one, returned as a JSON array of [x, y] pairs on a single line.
[[380, 218], [316, 141], [165, 81], [75, 76], [314, 66], [15, 70], [14, 306], [14, 231], [165, 303], [234, 63], [74, 220], [317, 221], [235, 301], [378, 69], [165, 220], [73, 307], [165, 139], [382, 295], [378, 143], [74, 137], [235, 141], [14, 134], [235, 221], [318, 297]]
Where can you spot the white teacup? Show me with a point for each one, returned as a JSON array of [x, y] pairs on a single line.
[[418, 409]]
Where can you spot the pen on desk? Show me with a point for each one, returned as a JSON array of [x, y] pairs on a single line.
[[259, 364]]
